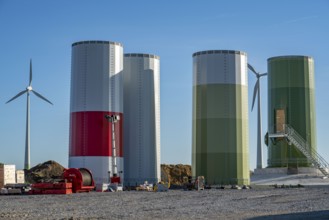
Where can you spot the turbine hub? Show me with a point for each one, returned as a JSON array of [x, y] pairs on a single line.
[[29, 88]]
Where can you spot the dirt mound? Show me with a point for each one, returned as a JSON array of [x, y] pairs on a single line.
[[44, 172], [175, 173]]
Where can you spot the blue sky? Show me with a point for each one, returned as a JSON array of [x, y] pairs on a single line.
[[44, 31]]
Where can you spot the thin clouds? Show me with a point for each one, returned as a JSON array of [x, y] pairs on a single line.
[[300, 19], [296, 20], [220, 16]]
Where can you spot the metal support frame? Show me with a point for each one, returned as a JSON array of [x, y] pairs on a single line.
[[113, 119]]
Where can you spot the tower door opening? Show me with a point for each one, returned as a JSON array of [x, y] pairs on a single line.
[[280, 120]]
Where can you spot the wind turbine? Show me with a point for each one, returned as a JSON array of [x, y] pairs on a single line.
[[27, 137], [259, 118]]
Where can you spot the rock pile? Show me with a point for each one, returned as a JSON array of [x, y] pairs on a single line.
[[44, 172], [175, 173]]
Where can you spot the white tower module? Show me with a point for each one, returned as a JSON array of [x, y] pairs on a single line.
[[96, 91], [142, 118]]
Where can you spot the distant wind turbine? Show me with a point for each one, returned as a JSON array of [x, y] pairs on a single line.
[[259, 119], [27, 137]]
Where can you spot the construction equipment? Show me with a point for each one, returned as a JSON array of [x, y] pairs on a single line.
[[145, 187], [191, 183], [51, 188], [199, 184], [115, 183], [188, 183], [5, 191], [73, 181], [81, 179], [102, 187], [115, 180], [161, 187], [15, 189]]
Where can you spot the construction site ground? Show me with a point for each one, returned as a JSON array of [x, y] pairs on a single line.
[[284, 179], [260, 202]]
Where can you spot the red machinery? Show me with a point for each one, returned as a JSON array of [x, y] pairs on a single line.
[[81, 179], [115, 179], [74, 181]]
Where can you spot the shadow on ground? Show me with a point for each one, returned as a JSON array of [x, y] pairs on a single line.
[[321, 215]]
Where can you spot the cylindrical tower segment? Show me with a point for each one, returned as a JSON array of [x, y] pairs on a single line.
[[290, 101], [220, 117], [142, 118], [96, 91]]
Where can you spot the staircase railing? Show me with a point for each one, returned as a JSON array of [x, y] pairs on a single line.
[[302, 145]]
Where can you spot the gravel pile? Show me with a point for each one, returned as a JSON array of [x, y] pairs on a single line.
[[259, 203], [44, 172]]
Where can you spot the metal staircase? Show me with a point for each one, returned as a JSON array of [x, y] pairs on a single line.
[[294, 138]]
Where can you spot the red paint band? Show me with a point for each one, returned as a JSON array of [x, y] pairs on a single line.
[[91, 134]]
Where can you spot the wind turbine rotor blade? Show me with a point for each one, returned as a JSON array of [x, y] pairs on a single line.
[[255, 93], [41, 97], [252, 69], [16, 96], [263, 74], [30, 72]]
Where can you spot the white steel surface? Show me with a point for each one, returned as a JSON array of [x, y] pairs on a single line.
[[96, 79], [212, 64], [142, 118]]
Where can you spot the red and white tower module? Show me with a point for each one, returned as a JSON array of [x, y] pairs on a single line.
[[96, 91]]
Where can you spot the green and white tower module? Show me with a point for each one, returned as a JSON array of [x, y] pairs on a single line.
[[291, 102], [220, 150]]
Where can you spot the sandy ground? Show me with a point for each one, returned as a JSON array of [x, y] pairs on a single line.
[[257, 203]]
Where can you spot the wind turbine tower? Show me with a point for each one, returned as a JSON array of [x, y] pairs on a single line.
[[259, 118], [28, 90]]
